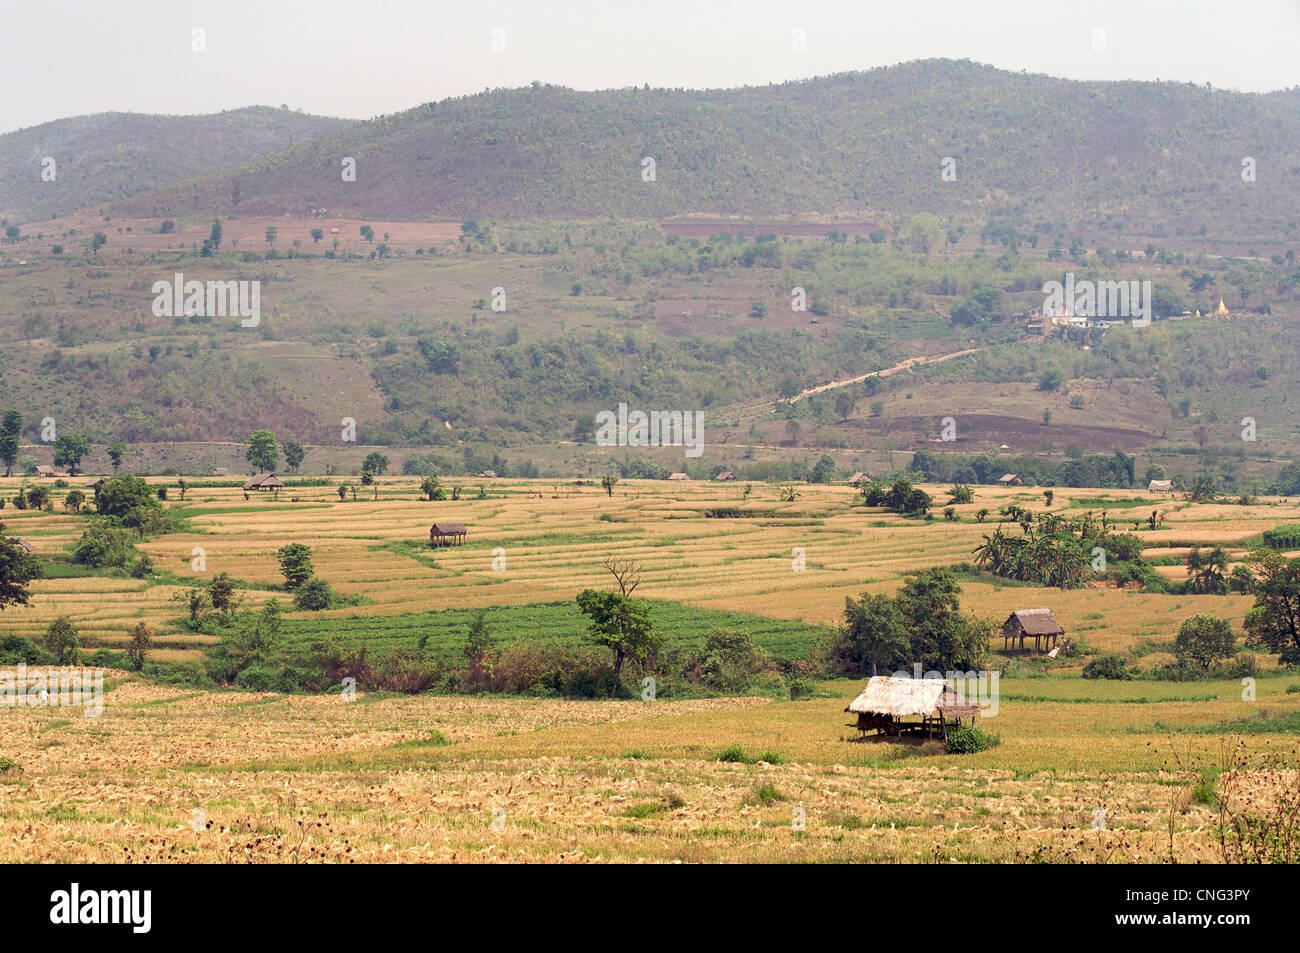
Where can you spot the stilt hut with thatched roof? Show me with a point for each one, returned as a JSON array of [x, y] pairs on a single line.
[[445, 534], [890, 705], [1037, 624]]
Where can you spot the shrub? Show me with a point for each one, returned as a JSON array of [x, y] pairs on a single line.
[[968, 739], [1283, 537], [314, 595], [734, 754], [102, 546], [1108, 666], [61, 640]]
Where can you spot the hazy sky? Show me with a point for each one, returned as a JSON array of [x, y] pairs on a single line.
[[356, 58]]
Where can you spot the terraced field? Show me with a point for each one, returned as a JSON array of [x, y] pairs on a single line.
[[176, 774], [547, 541]]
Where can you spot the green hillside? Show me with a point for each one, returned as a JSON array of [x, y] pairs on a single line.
[[1145, 159], [106, 158]]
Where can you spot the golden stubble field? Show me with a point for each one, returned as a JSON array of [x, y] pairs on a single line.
[[174, 776], [554, 535]]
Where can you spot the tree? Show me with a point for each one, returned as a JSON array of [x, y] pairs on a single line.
[[221, 593], [37, 497], [68, 451], [295, 564], [1274, 620], [619, 622], [873, 635], [961, 493], [317, 234], [429, 486], [118, 496], [1204, 639], [18, 567], [367, 233], [11, 429], [1051, 378], [115, 453], [608, 481], [844, 403], [98, 241], [375, 464], [271, 234], [61, 640], [141, 638], [263, 452], [74, 499], [824, 471], [215, 235], [314, 595], [293, 454], [1205, 571]]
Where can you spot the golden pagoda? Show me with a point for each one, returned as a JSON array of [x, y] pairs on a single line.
[[1223, 312]]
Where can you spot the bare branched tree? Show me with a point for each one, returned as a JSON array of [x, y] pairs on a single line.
[[626, 571]]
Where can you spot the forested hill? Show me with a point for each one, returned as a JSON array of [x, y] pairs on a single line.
[[107, 157], [1132, 157]]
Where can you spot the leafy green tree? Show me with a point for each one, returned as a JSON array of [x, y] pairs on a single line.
[[961, 493], [314, 595], [141, 638], [17, 568], [1204, 639], [1205, 571], [367, 233], [317, 234], [1274, 620], [294, 452], [221, 593], [619, 624], [376, 464], [68, 451], [119, 495], [37, 497], [608, 482], [115, 453], [61, 640], [430, 487], [874, 636], [74, 499], [11, 429], [215, 235], [1051, 377], [295, 564], [824, 471], [844, 403], [263, 451]]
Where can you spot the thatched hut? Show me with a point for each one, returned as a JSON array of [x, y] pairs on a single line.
[[1160, 486], [446, 534], [1037, 624], [887, 702], [1011, 479], [264, 481]]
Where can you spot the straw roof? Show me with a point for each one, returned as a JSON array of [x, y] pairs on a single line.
[[261, 481], [1161, 486], [443, 528], [899, 697], [1035, 622], [1010, 478]]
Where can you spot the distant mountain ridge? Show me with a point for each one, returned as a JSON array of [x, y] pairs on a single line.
[[104, 158], [1132, 157]]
